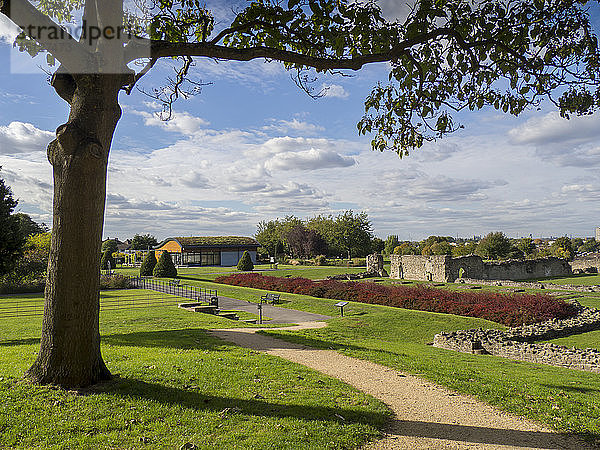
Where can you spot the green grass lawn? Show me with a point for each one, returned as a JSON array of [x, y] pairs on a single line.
[[210, 273], [564, 399], [583, 340], [174, 384], [585, 280]]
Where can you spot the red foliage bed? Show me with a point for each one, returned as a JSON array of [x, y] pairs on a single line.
[[510, 310]]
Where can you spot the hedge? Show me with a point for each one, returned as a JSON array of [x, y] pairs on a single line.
[[507, 309]]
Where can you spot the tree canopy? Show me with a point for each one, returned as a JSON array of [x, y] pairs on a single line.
[[143, 242], [494, 246], [11, 238]]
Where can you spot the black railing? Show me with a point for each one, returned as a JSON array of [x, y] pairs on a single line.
[[174, 288], [165, 294]]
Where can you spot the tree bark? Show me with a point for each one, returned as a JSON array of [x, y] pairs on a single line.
[[69, 354]]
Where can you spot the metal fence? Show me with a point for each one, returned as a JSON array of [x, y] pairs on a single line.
[[159, 293], [174, 288]]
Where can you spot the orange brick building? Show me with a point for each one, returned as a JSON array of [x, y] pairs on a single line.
[[208, 250]]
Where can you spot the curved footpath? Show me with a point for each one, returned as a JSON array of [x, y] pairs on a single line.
[[427, 416]]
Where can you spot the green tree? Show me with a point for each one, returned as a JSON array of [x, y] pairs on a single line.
[[353, 233], [441, 248], [406, 248], [464, 249], [269, 234], [527, 246], [11, 238], [164, 267], [562, 247], [143, 242], [494, 246], [110, 245], [245, 263], [27, 227], [589, 246], [377, 245], [444, 57], [148, 264], [391, 242], [107, 262], [32, 264]]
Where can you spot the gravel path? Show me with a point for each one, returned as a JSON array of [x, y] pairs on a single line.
[[427, 416]]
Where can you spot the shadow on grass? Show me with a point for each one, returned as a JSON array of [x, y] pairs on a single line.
[[486, 435], [13, 342], [564, 387], [133, 388], [189, 338]]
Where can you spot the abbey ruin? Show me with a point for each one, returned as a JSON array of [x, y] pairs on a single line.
[[447, 269]]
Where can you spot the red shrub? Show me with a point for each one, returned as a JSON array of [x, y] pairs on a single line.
[[511, 310]]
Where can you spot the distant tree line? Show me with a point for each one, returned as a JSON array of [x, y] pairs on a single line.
[[494, 246], [347, 234]]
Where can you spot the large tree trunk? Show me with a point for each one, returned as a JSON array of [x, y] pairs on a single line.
[[70, 346]]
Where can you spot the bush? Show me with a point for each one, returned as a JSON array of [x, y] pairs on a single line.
[[510, 310], [107, 259], [114, 281], [245, 263], [164, 267], [320, 260], [147, 267]]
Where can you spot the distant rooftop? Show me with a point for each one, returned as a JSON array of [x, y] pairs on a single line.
[[213, 241]]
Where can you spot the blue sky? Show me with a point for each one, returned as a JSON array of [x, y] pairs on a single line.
[[252, 146]]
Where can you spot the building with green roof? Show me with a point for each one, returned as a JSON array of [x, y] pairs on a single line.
[[208, 250]]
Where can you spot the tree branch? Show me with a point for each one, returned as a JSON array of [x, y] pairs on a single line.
[[39, 27]]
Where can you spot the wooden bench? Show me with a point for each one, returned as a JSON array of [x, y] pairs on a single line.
[[270, 298]]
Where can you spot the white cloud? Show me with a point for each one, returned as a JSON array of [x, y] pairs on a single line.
[[21, 137], [181, 122], [553, 129], [312, 159], [8, 30], [569, 143], [194, 179], [293, 126], [334, 91]]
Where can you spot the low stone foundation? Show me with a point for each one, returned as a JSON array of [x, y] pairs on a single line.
[[531, 285], [353, 276], [517, 343]]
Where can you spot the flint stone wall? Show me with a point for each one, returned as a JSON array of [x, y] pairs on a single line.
[[586, 264], [375, 265], [517, 343], [447, 269]]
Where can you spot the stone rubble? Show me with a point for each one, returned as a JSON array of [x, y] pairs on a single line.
[[518, 342]]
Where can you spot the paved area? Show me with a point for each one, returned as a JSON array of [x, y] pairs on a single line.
[[427, 416], [271, 314]]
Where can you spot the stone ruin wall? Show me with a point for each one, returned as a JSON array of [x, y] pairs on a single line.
[[526, 269], [417, 267], [586, 264], [374, 262], [447, 269], [519, 343]]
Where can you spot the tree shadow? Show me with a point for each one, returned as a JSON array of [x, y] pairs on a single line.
[[15, 342], [564, 387], [486, 435], [187, 338], [188, 398]]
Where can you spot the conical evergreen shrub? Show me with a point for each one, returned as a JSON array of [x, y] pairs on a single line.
[[106, 258], [245, 262], [164, 267], [148, 264]]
